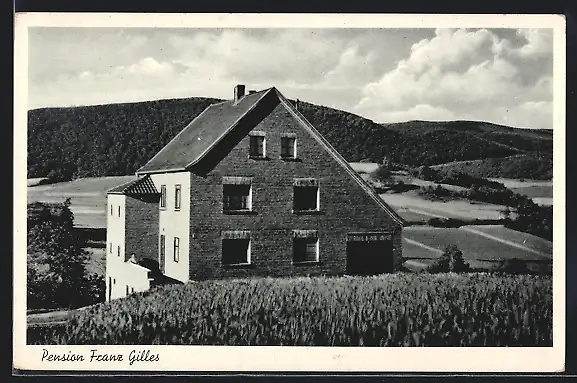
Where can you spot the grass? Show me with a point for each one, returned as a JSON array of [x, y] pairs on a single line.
[[473, 246], [401, 309], [524, 239], [364, 167], [87, 195], [97, 261]]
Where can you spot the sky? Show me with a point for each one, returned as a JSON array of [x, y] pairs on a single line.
[[502, 76]]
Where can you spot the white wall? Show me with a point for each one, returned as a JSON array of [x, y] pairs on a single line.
[[175, 223], [119, 273], [131, 275], [115, 227]]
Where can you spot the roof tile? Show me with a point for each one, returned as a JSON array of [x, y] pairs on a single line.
[[140, 186]]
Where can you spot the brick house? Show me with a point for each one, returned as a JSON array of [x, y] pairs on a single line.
[[248, 188]]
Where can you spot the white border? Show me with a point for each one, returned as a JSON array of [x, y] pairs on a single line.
[[326, 359]]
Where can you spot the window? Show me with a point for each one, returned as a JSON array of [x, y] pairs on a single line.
[[306, 195], [236, 194], [305, 246], [111, 209], [236, 248], [288, 147], [119, 211], [127, 290], [163, 196], [132, 290], [176, 249], [236, 197], [111, 248], [257, 145], [162, 247], [118, 251], [177, 193]]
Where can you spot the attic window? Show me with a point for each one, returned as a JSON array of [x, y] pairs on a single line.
[[257, 145], [288, 147]]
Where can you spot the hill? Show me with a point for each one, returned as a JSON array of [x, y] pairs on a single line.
[[116, 139], [535, 167]]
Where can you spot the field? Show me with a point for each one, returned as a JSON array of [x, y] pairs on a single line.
[[87, 196], [391, 310], [540, 191], [408, 204], [364, 167], [483, 247]]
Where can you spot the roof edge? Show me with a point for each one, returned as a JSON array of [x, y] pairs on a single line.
[[118, 186], [230, 129], [138, 171], [307, 125]]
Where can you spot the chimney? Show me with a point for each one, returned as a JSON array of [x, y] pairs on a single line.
[[238, 92], [251, 91]]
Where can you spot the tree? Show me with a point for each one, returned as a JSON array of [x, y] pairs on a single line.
[[450, 261], [57, 275], [382, 173]]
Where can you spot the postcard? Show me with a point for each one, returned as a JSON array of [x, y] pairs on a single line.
[[289, 193]]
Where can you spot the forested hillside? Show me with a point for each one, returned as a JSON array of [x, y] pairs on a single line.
[[117, 139]]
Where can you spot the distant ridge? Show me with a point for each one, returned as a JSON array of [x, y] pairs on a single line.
[[116, 139]]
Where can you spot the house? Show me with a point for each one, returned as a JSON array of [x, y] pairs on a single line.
[[248, 188]]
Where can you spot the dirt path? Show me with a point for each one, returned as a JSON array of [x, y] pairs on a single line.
[[422, 245]]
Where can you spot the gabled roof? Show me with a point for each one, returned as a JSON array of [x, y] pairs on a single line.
[[201, 134], [140, 186], [336, 155], [218, 120]]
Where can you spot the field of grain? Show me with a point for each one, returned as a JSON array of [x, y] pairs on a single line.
[[402, 309]]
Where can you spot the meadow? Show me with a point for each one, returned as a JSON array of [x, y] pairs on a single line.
[[87, 197], [400, 309], [88, 203], [475, 246]]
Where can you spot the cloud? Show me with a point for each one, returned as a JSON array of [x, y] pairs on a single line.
[[539, 43], [461, 73], [386, 75]]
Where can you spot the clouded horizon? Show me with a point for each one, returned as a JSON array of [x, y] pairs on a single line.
[[502, 76]]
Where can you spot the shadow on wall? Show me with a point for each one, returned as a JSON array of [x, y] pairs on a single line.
[[158, 279]]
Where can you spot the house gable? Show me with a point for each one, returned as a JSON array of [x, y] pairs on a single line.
[[345, 205], [263, 118]]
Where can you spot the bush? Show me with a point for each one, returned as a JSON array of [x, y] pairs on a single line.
[[446, 222], [389, 310], [450, 261], [437, 193], [513, 266], [382, 173]]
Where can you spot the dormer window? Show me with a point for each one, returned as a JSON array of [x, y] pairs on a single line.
[[288, 147], [257, 145]]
